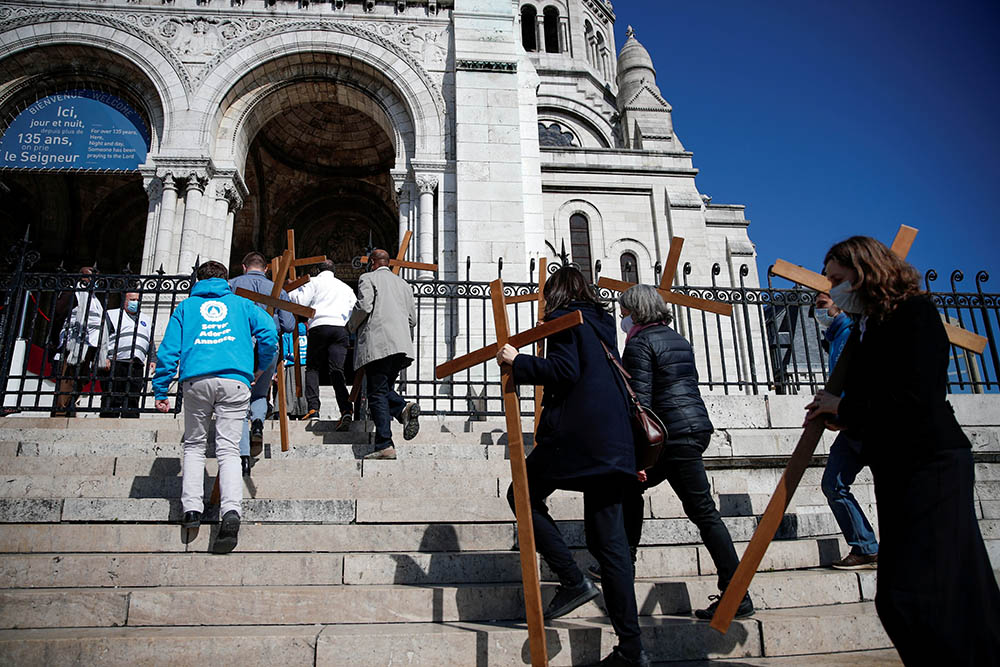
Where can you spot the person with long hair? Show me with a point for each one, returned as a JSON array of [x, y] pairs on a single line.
[[936, 594], [584, 443]]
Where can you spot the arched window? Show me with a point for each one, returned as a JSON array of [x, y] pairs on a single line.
[[551, 29], [529, 29], [579, 241], [630, 267], [600, 55]]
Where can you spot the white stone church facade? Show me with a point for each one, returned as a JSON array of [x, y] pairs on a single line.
[[490, 128]]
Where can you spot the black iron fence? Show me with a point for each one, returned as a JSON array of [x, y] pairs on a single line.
[[69, 344]]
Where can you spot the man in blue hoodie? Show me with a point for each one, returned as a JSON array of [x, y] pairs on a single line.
[[844, 462], [211, 336]]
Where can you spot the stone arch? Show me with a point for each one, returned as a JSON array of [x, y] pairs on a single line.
[[581, 117], [641, 252], [130, 61], [382, 70], [595, 225]]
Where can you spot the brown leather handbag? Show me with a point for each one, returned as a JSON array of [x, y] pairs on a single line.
[[649, 432]]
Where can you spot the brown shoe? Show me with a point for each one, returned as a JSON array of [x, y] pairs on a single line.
[[387, 453], [853, 561]]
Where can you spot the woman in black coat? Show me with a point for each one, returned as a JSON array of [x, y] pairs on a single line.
[[584, 443], [936, 593], [665, 379]]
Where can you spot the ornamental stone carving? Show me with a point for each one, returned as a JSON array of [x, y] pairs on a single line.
[[427, 183], [154, 187]]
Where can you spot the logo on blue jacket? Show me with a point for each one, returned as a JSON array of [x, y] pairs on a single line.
[[214, 311]]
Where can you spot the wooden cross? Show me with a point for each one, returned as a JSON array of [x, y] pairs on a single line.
[[399, 262], [811, 434], [515, 441], [666, 282], [396, 264]]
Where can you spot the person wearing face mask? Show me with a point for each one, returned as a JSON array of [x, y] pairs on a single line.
[[936, 594], [845, 461], [130, 351], [665, 379]]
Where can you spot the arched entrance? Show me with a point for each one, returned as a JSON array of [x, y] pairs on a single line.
[[321, 140], [62, 176]]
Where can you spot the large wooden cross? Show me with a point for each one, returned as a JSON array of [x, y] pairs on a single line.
[[515, 441], [666, 284], [811, 434], [280, 268], [397, 263]]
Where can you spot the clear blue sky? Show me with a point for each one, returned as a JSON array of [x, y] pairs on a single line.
[[828, 119]]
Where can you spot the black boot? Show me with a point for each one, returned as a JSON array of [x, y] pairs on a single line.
[[618, 659], [247, 464], [256, 437], [229, 531], [744, 610], [568, 599], [192, 519]]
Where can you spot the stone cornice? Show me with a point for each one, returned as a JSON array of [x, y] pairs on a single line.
[[486, 66]]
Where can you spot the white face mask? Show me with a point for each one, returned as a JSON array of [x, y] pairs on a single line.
[[823, 317], [847, 300], [627, 323]]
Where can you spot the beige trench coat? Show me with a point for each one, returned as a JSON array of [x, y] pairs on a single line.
[[383, 317]]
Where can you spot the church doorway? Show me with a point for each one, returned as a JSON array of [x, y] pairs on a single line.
[[320, 167]]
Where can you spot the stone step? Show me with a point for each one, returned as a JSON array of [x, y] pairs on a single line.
[[258, 537], [872, 658], [63, 569], [282, 487], [299, 605], [569, 642]]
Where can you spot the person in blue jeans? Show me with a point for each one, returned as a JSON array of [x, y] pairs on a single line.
[[845, 462]]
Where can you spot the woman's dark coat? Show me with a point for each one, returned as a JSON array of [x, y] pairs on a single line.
[[937, 596], [585, 429], [665, 379]]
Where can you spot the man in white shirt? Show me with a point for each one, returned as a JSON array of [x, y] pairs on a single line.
[[78, 316], [333, 302], [130, 350]]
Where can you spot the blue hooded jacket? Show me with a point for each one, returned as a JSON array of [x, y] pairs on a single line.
[[211, 334], [837, 334]]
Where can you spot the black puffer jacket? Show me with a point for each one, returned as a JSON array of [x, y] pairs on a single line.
[[665, 378]]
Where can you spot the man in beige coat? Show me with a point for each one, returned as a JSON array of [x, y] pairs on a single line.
[[383, 319]]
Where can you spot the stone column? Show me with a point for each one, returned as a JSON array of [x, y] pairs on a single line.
[[403, 201], [427, 184], [165, 229], [191, 234], [154, 190], [235, 203], [220, 213]]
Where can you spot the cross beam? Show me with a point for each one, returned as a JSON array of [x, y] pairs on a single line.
[[515, 441], [399, 262], [395, 264], [801, 456], [666, 281]]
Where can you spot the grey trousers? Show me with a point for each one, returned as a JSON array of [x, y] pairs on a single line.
[[228, 401]]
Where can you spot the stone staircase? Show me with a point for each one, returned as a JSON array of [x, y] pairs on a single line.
[[349, 562]]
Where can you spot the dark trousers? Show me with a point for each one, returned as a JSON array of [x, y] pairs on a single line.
[[383, 402], [936, 593], [325, 354], [680, 464], [605, 531], [125, 380]]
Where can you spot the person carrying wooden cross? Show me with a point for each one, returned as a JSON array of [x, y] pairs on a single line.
[[936, 592], [254, 279], [328, 339], [383, 319], [584, 443]]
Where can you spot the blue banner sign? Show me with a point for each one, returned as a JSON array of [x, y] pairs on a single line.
[[80, 130]]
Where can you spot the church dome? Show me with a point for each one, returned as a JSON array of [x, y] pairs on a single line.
[[634, 62]]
